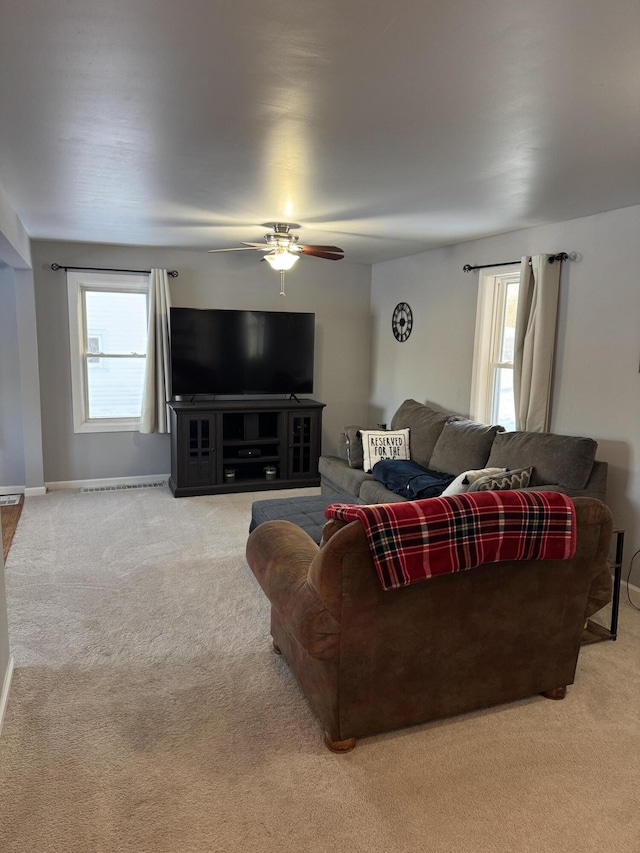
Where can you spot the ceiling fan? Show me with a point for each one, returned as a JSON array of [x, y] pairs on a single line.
[[283, 247], [284, 250]]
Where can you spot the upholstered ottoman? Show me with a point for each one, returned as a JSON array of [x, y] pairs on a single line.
[[306, 512]]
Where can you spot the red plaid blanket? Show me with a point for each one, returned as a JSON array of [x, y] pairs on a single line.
[[415, 540]]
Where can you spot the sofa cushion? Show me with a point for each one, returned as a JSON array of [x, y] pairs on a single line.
[[379, 444], [563, 460], [373, 492], [463, 445], [425, 425], [515, 479]]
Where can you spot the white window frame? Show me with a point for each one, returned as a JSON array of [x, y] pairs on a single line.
[[77, 284], [489, 318]]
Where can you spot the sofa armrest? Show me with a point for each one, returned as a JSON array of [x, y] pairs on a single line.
[[330, 528], [598, 492], [280, 554], [337, 478], [597, 482]]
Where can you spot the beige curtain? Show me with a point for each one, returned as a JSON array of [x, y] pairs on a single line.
[[535, 338], [157, 378]]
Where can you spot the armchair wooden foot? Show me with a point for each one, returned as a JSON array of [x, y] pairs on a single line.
[[339, 745], [556, 693], [276, 648]]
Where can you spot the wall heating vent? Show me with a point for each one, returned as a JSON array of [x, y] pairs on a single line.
[[9, 500], [124, 487]]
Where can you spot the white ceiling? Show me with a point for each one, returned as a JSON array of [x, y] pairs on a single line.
[[386, 128]]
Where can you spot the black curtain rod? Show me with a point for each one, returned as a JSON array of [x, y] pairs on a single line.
[[561, 256], [56, 267]]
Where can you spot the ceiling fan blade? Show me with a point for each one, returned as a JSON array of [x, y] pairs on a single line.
[[317, 252], [334, 249], [282, 241], [238, 249]]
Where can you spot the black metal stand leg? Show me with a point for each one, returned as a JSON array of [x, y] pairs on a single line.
[[594, 632], [617, 578]]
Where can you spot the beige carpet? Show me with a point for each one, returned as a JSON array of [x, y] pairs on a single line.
[[148, 713]]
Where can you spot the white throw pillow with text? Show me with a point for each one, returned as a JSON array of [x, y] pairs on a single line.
[[378, 444]]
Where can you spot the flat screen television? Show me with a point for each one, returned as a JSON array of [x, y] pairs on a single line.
[[219, 351]]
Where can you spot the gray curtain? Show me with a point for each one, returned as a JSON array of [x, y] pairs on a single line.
[[535, 338], [157, 378]]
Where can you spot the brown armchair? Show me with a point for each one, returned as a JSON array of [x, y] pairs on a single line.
[[371, 661]]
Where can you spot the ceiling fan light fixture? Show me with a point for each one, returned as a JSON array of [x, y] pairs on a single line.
[[281, 259]]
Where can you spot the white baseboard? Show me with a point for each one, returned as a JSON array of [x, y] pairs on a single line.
[[6, 687], [35, 491], [12, 490], [27, 491], [106, 483]]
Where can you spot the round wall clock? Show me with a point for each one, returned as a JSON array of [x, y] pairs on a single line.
[[402, 321]]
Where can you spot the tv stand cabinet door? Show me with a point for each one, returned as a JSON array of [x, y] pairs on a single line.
[[195, 454], [303, 443]]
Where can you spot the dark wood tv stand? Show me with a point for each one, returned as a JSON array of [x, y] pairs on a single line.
[[243, 436]]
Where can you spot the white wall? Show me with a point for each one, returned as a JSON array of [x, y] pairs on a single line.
[[15, 252], [21, 467], [29, 382], [597, 379], [433, 364], [338, 293], [12, 469], [15, 248]]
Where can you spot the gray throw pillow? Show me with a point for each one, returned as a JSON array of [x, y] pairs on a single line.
[[463, 446], [426, 425], [516, 479], [342, 446], [354, 446]]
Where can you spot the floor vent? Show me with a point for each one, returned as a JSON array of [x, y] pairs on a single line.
[[124, 486], [9, 500]]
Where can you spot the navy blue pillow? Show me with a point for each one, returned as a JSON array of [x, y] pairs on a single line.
[[412, 481]]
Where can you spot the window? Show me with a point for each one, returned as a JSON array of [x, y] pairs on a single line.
[[108, 337], [492, 399]]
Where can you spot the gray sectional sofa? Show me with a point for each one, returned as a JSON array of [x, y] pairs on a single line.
[[446, 442]]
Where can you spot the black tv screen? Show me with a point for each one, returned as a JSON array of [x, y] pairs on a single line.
[[218, 351]]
